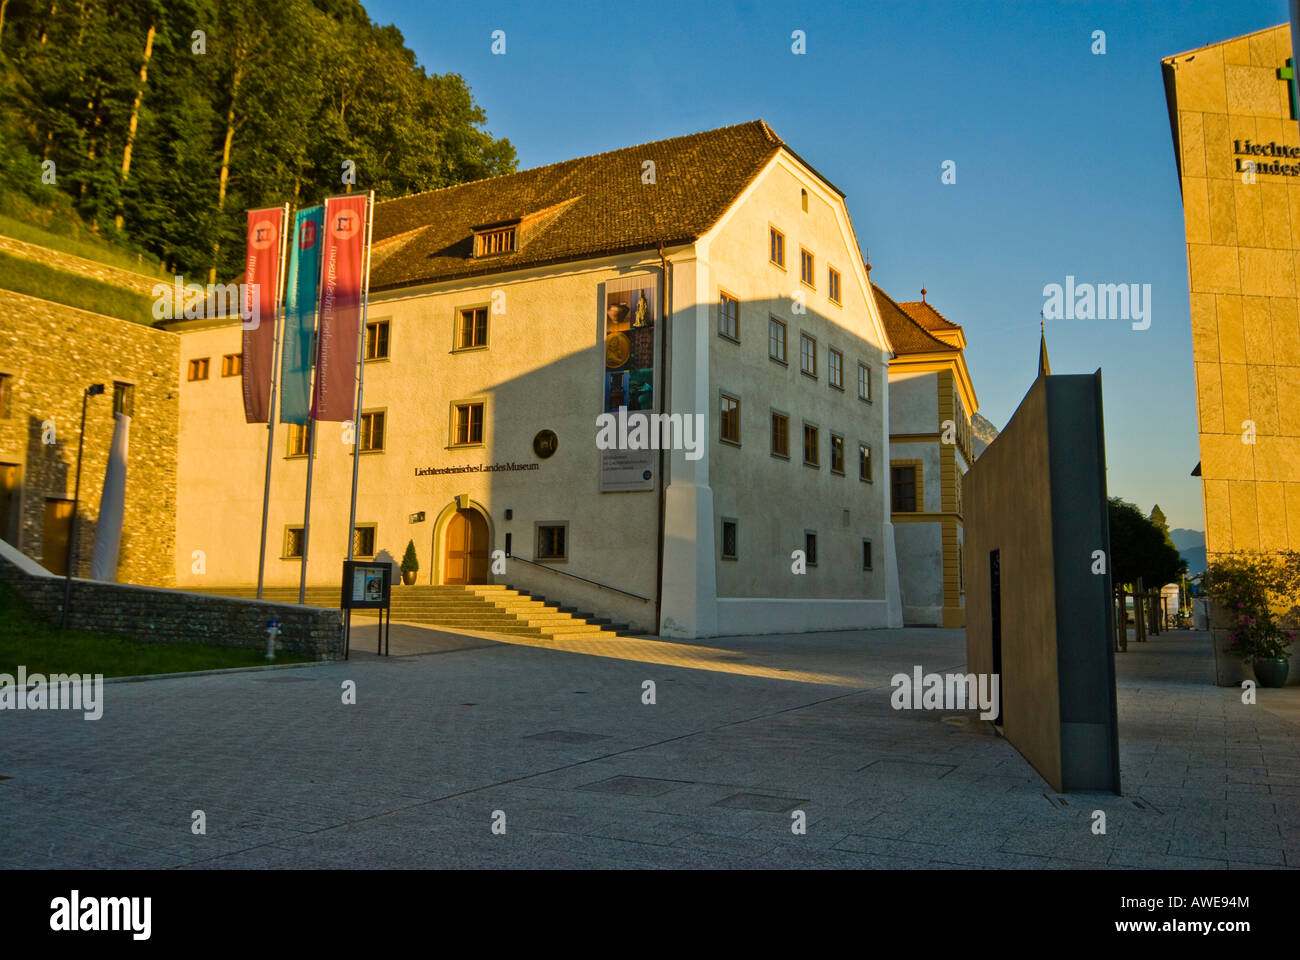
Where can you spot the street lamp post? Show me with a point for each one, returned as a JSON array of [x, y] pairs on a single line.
[[94, 390]]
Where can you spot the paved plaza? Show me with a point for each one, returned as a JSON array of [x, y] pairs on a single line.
[[553, 742]]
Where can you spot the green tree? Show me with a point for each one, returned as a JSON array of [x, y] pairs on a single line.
[[1142, 558], [167, 145]]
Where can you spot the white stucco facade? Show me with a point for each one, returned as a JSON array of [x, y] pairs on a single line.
[[542, 369]]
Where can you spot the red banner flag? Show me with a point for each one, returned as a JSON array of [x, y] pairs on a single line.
[[260, 300], [342, 263]]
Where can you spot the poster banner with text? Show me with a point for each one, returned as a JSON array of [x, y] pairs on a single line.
[[337, 337], [631, 325], [300, 316], [261, 296]]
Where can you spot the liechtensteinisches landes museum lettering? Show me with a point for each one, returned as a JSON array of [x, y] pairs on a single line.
[[1244, 148]]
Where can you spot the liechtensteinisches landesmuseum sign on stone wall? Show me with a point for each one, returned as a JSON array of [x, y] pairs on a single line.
[[1251, 158]]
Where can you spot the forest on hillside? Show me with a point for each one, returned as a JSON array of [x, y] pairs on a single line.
[[161, 121]]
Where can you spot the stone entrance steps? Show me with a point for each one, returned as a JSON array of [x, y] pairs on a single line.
[[486, 608]]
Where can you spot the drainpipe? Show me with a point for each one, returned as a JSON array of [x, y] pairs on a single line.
[[663, 408]]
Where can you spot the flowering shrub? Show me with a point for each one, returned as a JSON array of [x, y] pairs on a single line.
[[1259, 638], [1259, 592]]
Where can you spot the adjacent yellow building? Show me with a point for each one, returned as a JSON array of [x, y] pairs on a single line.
[[931, 401], [1232, 110]]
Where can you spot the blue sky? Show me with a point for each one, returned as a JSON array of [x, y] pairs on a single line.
[[1064, 161]]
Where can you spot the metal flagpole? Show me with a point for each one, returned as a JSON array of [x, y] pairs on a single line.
[[306, 510], [311, 422], [270, 417], [361, 372]]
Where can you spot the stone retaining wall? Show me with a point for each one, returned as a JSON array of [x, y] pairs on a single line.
[[157, 615], [52, 353]]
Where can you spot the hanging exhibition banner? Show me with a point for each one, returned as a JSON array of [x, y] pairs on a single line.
[[262, 295], [341, 301], [629, 453]]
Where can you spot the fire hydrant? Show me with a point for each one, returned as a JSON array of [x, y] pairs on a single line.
[[272, 631]]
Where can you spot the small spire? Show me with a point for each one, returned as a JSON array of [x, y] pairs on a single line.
[[1044, 368], [923, 294], [867, 257]]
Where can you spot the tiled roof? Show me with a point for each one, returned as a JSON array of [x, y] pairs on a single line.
[[906, 335], [927, 316], [573, 210]]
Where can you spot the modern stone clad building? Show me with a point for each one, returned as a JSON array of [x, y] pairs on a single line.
[[1232, 110], [931, 401], [715, 277]]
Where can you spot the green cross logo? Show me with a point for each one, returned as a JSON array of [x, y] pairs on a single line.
[[1287, 73]]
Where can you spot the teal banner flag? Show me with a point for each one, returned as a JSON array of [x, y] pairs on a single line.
[[300, 316]]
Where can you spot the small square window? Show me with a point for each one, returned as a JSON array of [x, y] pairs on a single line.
[[806, 274], [864, 462], [777, 243], [472, 330], [363, 540], [780, 435], [293, 537], [232, 364], [490, 242], [864, 382], [728, 316], [198, 369], [299, 440], [835, 362], [729, 539], [833, 284], [552, 541], [866, 554], [811, 455], [730, 419], [810, 547], [372, 432], [808, 354], [903, 488], [776, 339], [837, 454], [123, 398], [468, 427], [377, 340]]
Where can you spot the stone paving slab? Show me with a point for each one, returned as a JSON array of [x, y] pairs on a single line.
[[744, 732]]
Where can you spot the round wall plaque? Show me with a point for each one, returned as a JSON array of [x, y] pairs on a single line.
[[545, 443]]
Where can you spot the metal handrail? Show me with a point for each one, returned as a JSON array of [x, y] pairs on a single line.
[[595, 583]]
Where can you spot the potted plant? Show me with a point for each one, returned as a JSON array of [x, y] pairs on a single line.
[[1248, 590], [410, 564], [1259, 641]]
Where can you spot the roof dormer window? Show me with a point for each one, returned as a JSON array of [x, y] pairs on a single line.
[[495, 240]]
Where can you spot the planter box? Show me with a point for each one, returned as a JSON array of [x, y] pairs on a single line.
[[1229, 671]]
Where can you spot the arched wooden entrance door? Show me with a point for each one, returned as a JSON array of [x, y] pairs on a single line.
[[465, 546]]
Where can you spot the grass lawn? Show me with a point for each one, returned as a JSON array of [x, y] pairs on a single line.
[[88, 247], [38, 280], [42, 648]]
